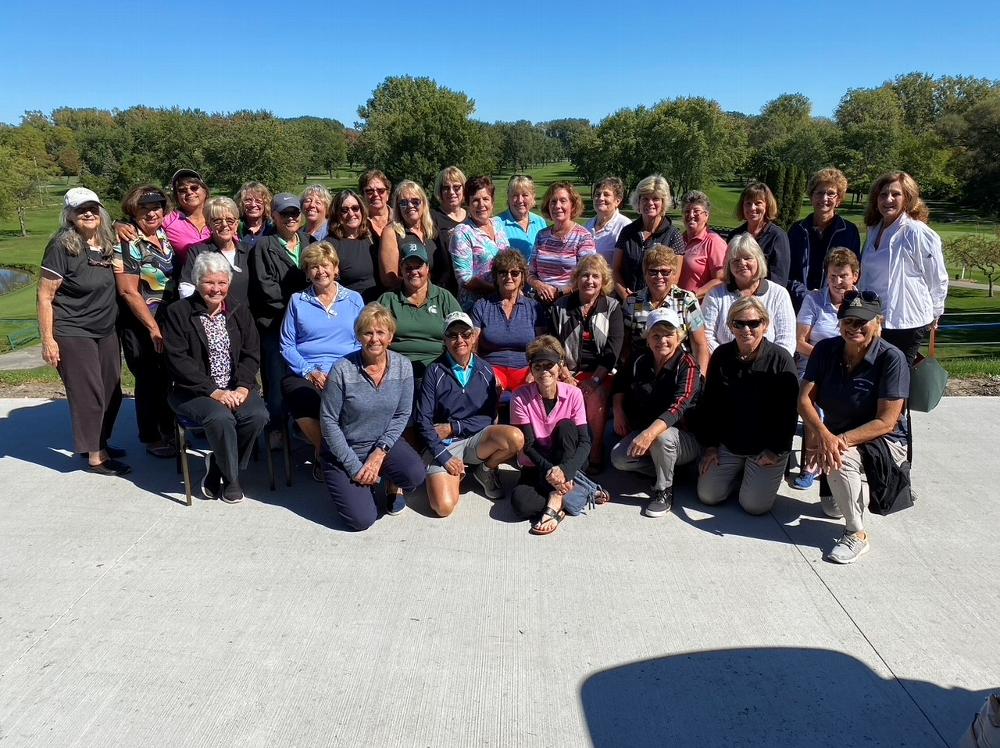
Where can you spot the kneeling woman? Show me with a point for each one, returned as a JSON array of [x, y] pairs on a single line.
[[455, 413], [552, 418], [747, 414], [860, 382], [652, 399], [213, 354], [366, 404]]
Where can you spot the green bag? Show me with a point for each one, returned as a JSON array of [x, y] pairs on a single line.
[[928, 380]]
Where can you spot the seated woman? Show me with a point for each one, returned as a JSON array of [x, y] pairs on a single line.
[[455, 413], [661, 268], [222, 218], [317, 331], [653, 397], [366, 404], [589, 323], [212, 351], [419, 308], [745, 277], [560, 247], [747, 416], [817, 320], [507, 321], [552, 418], [860, 382]]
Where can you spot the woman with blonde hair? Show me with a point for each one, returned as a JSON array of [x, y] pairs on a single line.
[[519, 223], [651, 200], [254, 205], [315, 203], [903, 262], [449, 191], [222, 217], [411, 215]]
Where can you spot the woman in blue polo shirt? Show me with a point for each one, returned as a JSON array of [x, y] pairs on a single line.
[[519, 223], [860, 381]]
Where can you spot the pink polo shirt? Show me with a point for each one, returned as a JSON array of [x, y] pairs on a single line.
[[183, 234], [704, 259], [527, 409]]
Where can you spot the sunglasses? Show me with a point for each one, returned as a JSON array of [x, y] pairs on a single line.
[[189, 189], [743, 324], [94, 210], [415, 202], [464, 335], [345, 209], [375, 191], [509, 273], [853, 323], [659, 272], [290, 215], [543, 365], [451, 188]]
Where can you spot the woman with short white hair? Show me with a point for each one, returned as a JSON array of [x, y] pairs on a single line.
[[651, 200]]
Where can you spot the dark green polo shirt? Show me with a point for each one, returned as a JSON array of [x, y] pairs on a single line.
[[420, 330]]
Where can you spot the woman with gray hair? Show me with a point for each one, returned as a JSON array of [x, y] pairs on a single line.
[[222, 218], [746, 276], [747, 414], [213, 355], [651, 200], [608, 222], [77, 309], [704, 250]]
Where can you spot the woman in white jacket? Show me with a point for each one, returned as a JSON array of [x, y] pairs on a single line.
[[902, 262]]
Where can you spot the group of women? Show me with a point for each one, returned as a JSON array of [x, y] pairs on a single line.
[[393, 333]]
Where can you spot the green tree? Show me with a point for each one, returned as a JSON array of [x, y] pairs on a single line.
[[412, 126], [254, 145], [24, 168], [871, 122], [325, 142], [980, 251], [979, 163]]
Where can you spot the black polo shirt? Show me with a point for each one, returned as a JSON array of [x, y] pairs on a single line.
[[850, 398], [85, 306]]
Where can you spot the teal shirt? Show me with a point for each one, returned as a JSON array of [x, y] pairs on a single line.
[[462, 375], [521, 240]]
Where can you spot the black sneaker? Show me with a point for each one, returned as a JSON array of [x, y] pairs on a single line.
[[232, 492], [211, 484], [660, 503]]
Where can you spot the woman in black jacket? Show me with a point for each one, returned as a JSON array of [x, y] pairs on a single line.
[[213, 355], [758, 209], [747, 413]]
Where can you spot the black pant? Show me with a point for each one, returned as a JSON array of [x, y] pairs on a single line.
[[531, 494], [301, 397], [91, 370], [907, 340], [230, 433], [152, 413]]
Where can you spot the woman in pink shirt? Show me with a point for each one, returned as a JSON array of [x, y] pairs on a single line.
[[704, 250]]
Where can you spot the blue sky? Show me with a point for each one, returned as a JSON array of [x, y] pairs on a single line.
[[517, 60]]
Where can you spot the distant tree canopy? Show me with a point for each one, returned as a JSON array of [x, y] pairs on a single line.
[[945, 131]]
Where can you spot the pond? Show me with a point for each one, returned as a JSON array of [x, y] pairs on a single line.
[[11, 279]]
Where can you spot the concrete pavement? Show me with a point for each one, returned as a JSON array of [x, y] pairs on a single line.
[[127, 618]]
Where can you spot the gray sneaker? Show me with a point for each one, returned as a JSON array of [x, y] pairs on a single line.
[[848, 548], [659, 505], [830, 508], [489, 480]]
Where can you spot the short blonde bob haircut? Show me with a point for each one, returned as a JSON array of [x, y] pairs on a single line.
[[319, 253], [521, 183], [828, 177], [574, 197], [220, 207], [742, 246], [595, 263], [659, 255], [410, 189], [915, 206], [757, 191], [449, 174], [652, 186], [374, 314], [746, 304], [545, 343]]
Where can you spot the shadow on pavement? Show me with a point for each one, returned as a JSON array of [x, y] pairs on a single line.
[[769, 697]]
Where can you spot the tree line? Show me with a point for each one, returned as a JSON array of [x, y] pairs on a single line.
[[945, 131]]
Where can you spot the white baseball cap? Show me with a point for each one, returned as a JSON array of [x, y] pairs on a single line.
[[77, 196]]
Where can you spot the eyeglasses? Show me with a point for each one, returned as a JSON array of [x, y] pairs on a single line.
[[290, 215], [189, 189], [743, 324], [375, 191], [543, 365], [221, 223], [451, 188], [345, 209], [252, 201], [695, 213], [664, 272], [509, 273], [415, 202], [464, 335]]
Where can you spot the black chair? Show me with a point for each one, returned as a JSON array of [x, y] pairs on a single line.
[[184, 427]]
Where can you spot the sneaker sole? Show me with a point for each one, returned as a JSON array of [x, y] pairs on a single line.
[[231, 501], [846, 561], [655, 512], [204, 489]]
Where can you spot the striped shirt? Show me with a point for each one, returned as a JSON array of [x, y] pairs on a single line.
[[555, 259]]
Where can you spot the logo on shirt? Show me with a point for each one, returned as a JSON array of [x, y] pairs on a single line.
[[432, 309]]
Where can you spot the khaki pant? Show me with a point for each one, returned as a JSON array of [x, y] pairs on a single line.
[[758, 483], [845, 484], [671, 448]]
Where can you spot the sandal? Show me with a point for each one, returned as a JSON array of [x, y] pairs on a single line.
[[548, 515], [602, 497]]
